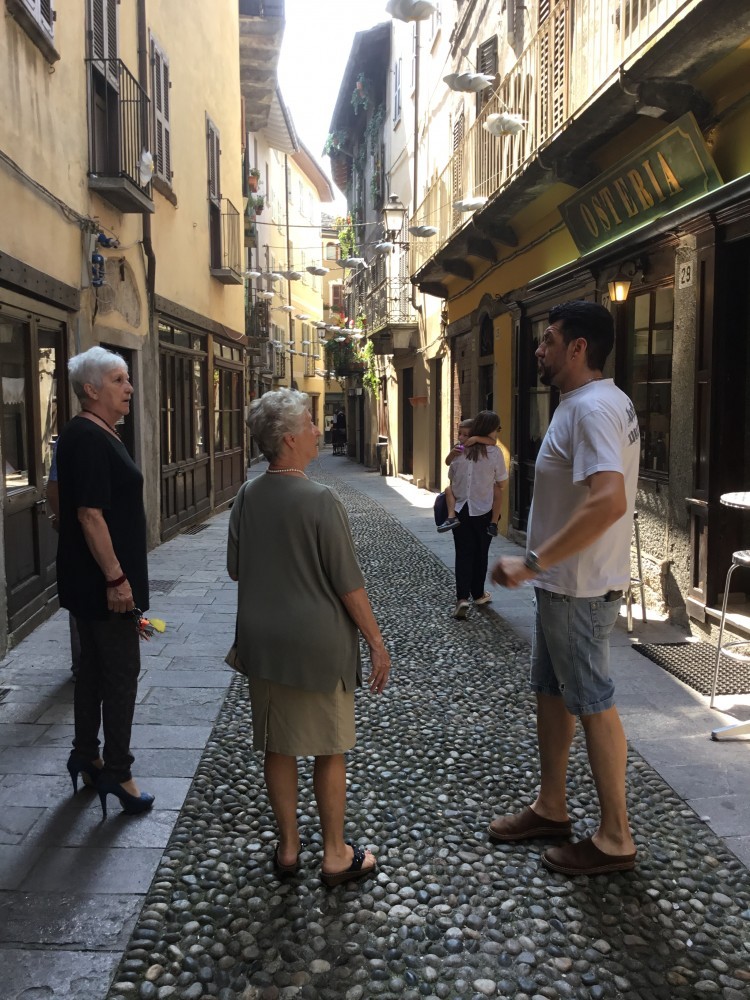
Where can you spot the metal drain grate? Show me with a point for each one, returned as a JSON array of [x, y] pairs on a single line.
[[161, 586], [195, 530]]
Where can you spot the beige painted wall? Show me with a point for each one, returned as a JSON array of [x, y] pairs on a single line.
[[204, 71]]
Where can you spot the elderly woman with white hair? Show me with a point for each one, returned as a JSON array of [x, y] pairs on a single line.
[[102, 574], [301, 604]]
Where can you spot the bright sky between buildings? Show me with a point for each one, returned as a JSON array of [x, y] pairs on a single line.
[[317, 40]]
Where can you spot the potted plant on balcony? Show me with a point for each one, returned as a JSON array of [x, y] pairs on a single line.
[[258, 203], [360, 98], [253, 178]]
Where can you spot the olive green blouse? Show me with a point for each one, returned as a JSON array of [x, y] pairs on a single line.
[[291, 549]]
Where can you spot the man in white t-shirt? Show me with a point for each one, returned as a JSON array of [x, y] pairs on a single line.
[[578, 556]]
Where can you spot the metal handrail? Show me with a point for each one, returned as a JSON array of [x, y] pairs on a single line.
[[118, 141], [231, 255]]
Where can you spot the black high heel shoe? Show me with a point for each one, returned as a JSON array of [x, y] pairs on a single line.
[[132, 805], [79, 765]]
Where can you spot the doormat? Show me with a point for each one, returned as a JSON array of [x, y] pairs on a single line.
[[693, 664]]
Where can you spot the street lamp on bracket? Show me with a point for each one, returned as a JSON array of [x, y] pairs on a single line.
[[394, 218]]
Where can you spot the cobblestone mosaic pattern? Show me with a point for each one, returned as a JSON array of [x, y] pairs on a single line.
[[448, 915]]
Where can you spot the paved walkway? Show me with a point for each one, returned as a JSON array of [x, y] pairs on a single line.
[[72, 888]]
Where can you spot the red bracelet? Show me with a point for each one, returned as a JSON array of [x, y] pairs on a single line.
[[116, 583]]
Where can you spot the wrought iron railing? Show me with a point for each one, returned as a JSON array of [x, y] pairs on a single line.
[[389, 304], [256, 319], [118, 122], [231, 240], [564, 66]]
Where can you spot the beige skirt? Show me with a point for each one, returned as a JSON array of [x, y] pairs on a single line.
[[299, 723]]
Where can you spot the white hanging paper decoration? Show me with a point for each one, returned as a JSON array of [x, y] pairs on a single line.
[[504, 123]]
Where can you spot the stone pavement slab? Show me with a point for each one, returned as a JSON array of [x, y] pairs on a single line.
[[434, 757], [448, 914], [72, 886]]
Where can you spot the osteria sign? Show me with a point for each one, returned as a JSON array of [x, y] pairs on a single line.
[[669, 170]]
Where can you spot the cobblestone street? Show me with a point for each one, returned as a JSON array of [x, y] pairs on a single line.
[[450, 744]]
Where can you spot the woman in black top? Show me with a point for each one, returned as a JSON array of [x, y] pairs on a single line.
[[102, 573]]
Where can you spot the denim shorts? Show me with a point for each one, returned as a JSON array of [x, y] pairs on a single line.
[[570, 650]]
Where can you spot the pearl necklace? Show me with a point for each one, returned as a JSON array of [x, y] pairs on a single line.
[[278, 471]]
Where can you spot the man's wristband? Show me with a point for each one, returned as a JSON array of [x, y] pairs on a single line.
[[532, 562], [111, 584]]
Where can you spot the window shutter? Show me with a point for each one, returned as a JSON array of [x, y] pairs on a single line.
[[111, 29], [103, 34], [553, 72], [160, 95], [213, 149], [487, 62], [458, 164], [98, 30], [397, 91]]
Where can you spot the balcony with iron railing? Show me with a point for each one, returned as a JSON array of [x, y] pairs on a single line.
[[226, 242], [565, 66], [392, 321], [119, 164]]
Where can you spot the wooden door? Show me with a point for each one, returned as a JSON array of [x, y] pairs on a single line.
[[31, 366]]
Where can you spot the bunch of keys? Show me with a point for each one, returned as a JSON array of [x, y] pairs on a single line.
[[146, 626]]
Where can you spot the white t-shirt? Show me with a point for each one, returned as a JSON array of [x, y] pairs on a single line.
[[473, 482], [594, 429]]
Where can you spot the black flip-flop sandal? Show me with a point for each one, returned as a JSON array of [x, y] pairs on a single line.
[[354, 871]]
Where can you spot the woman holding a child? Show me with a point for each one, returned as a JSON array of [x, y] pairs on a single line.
[[477, 478]]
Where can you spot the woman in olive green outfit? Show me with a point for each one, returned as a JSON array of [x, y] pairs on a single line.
[[301, 604]]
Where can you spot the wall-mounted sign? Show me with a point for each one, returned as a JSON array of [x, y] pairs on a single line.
[[671, 169]]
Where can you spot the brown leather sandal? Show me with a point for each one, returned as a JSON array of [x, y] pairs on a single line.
[[527, 825], [585, 858]]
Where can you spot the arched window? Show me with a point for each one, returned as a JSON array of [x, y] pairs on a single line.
[[331, 251]]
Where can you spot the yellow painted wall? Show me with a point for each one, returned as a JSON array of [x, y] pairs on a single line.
[[204, 70], [44, 130]]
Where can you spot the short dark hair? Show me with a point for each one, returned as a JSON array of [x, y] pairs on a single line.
[[591, 322]]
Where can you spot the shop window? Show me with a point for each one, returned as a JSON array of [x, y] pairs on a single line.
[[486, 338], [649, 374], [227, 409]]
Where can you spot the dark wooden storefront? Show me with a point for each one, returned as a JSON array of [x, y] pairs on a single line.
[[34, 408], [202, 399]]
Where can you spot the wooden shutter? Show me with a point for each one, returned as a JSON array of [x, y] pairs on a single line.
[[160, 100], [103, 34], [43, 13], [397, 90], [213, 151], [103, 27], [458, 165], [553, 72], [487, 62]]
